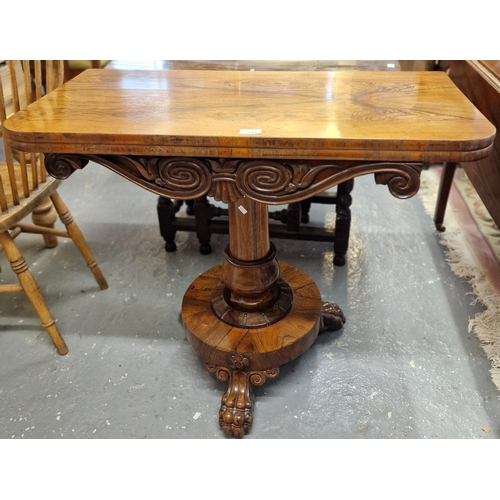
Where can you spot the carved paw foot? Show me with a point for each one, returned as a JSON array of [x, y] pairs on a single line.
[[332, 317], [235, 414]]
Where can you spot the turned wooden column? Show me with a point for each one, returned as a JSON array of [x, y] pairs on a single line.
[[251, 295], [247, 240], [250, 270]]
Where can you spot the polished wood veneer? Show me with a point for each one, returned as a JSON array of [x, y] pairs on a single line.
[[390, 116]]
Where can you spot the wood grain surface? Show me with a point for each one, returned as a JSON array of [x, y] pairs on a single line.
[[392, 116]]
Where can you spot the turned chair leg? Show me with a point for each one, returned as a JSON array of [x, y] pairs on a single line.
[[443, 194], [78, 239], [30, 287], [44, 215]]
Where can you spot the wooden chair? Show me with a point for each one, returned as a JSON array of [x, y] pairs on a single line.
[[25, 189]]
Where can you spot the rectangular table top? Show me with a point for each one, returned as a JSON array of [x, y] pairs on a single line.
[[358, 115]]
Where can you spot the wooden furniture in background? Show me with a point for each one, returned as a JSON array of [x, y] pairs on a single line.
[[181, 134], [25, 189], [480, 82], [407, 65], [254, 65], [74, 67]]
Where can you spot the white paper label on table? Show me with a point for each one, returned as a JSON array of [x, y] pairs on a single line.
[[250, 131]]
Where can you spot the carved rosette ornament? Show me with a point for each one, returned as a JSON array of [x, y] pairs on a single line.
[[273, 182], [235, 414]]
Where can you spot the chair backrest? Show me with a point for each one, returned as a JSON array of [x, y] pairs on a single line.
[[27, 81]]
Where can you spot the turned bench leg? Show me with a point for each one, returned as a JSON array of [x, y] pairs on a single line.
[[342, 221]]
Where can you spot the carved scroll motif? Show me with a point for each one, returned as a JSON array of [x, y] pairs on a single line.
[[62, 166], [279, 183], [273, 182], [178, 177], [403, 182]]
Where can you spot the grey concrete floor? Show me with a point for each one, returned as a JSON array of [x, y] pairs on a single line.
[[404, 365]]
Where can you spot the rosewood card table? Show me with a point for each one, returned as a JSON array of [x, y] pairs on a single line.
[[253, 139]]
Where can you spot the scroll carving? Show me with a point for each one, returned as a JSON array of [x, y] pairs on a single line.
[[178, 177], [276, 183], [62, 166], [273, 182], [403, 182]]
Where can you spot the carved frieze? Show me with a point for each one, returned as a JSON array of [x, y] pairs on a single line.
[[272, 182]]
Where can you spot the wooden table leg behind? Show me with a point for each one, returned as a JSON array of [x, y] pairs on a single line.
[[252, 314], [443, 194]]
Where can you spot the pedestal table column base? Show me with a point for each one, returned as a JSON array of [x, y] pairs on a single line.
[[246, 356]]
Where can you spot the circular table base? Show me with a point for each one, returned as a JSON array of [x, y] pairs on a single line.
[[248, 356], [218, 342]]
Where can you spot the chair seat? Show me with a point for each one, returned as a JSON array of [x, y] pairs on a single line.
[[26, 206]]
